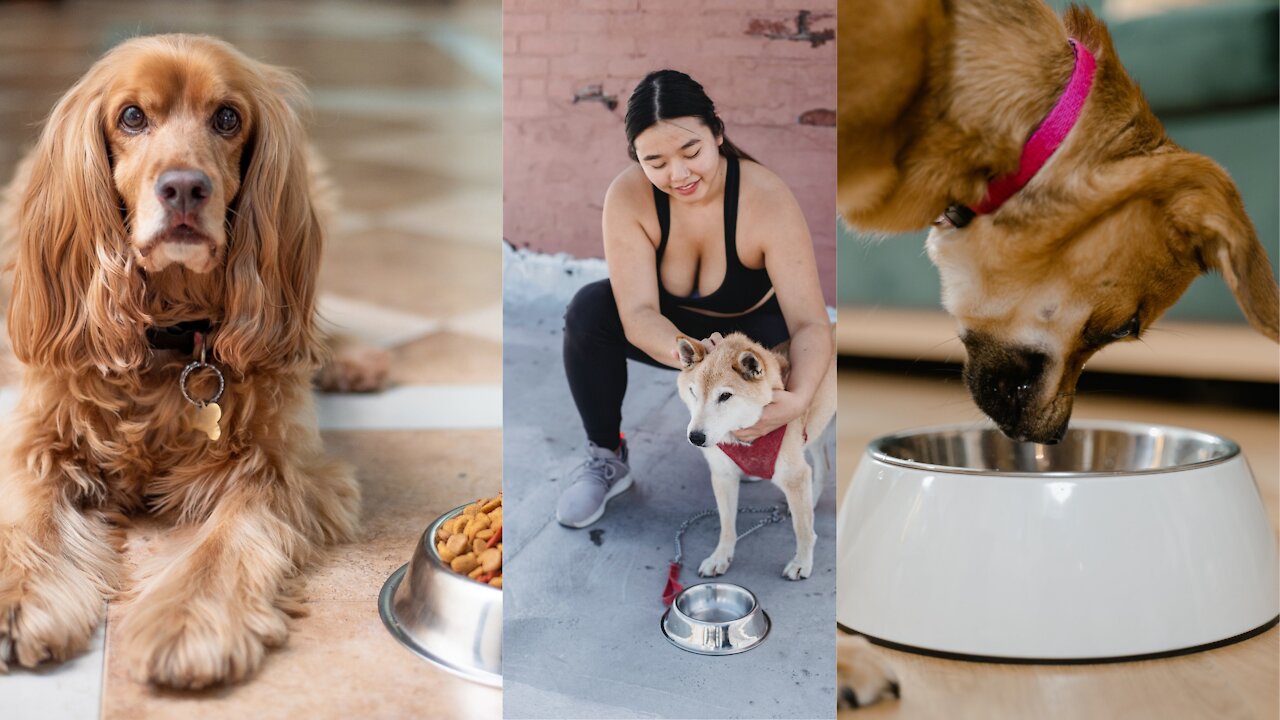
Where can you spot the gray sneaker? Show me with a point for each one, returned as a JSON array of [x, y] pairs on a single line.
[[604, 475]]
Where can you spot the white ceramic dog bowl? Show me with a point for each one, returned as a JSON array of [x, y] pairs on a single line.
[[715, 618], [442, 617], [1123, 541]]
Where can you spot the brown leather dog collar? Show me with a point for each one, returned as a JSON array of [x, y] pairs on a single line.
[[180, 336]]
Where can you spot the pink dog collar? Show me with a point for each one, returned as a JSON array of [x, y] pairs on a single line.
[[1040, 146]]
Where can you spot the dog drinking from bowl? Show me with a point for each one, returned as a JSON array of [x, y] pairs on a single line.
[[165, 241], [1063, 217]]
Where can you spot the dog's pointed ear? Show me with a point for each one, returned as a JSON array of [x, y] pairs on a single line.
[[749, 365], [274, 254], [77, 297], [1211, 217], [691, 351]]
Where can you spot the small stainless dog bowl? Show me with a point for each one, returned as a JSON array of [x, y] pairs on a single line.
[[443, 617], [1125, 540], [715, 618]]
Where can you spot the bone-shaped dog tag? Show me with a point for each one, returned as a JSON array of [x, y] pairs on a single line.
[[206, 413], [205, 419]]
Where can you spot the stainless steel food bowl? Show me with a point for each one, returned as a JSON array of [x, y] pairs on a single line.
[[1089, 448], [1125, 540], [715, 618], [443, 617]]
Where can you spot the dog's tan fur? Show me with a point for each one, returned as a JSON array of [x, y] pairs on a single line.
[[939, 97], [752, 373], [100, 430]]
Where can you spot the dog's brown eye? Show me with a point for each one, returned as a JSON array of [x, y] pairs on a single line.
[[132, 119], [226, 120], [725, 396], [1129, 330]]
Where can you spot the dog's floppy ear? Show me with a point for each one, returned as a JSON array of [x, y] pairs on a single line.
[[1211, 216], [691, 351], [77, 297], [749, 365], [275, 239]]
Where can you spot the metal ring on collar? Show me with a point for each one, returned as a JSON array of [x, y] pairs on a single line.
[[192, 367]]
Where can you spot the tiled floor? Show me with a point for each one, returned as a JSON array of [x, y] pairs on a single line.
[[582, 636], [1238, 681], [407, 115]]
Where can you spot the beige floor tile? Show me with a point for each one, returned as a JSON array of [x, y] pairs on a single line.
[[411, 273], [447, 359]]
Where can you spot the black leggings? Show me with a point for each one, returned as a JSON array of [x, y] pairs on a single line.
[[596, 351]]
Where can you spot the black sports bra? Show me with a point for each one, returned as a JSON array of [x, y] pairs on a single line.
[[743, 289]]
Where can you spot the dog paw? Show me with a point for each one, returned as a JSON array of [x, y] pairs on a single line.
[[355, 368], [717, 564], [862, 678], [799, 568], [46, 616], [195, 643]]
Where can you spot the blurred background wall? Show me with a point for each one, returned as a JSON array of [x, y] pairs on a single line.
[[769, 65]]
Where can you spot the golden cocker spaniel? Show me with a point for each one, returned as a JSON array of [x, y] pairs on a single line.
[[165, 247]]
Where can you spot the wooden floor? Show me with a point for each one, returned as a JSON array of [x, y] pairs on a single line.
[[1238, 681]]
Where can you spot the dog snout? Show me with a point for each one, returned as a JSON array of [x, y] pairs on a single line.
[[1007, 384], [184, 191], [697, 437]]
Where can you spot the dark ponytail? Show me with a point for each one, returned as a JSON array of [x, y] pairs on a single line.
[[668, 94]]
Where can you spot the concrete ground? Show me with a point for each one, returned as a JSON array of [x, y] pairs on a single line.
[[582, 607]]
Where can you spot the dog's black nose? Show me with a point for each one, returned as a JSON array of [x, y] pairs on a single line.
[[184, 190], [697, 437], [1006, 382]]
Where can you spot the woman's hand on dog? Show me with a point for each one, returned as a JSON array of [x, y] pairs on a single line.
[[786, 406]]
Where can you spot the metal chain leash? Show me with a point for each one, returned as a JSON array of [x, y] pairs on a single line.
[[776, 514]]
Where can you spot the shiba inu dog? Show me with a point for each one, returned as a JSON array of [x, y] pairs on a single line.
[[726, 389]]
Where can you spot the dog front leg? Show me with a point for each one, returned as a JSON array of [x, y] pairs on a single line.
[[210, 613], [797, 484], [57, 561], [724, 482]]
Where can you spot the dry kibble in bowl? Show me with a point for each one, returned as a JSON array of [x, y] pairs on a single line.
[[471, 543]]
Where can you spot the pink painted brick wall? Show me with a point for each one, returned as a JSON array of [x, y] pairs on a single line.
[[559, 157]]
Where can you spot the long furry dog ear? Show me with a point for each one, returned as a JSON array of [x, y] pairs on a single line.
[[1211, 216], [275, 240], [77, 294]]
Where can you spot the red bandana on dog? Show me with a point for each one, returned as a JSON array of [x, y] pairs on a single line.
[[758, 458]]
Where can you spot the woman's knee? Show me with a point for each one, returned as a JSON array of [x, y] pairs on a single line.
[[592, 309]]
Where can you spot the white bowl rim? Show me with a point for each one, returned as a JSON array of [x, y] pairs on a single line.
[[1232, 450]]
